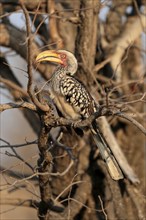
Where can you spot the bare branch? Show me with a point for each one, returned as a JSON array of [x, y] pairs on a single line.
[[22, 104], [73, 208], [127, 38], [17, 145], [29, 60], [101, 202], [133, 121], [54, 34], [14, 86]]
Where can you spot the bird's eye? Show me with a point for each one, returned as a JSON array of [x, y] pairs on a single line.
[[63, 56]]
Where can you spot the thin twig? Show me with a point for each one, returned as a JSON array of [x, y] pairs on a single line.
[[17, 145], [42, 174], [138, 13], [16, 155], [29, 60], [70, 185], [19, 202], [102, 64], [101, 202], [132, 120]]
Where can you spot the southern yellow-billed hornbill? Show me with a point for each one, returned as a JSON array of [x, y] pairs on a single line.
[[73, 100]]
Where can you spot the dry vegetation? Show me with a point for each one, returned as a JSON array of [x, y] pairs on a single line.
[[67, 179]]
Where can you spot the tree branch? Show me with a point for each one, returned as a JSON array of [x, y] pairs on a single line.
[[22, 104], [14, 86], [29, 60], [133, 121]]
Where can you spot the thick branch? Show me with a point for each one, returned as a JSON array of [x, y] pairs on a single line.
[[131, 32], [59, 121], [54, 34]]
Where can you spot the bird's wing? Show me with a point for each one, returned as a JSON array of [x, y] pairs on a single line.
[[77, 96]]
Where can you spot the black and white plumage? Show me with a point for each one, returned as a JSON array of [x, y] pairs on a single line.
[[74, 101]]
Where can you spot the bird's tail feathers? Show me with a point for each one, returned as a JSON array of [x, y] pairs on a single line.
[[106, 154]]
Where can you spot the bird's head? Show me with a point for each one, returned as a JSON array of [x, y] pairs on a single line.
[[62, 57]]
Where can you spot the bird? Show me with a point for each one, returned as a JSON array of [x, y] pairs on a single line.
[[73, 100]]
